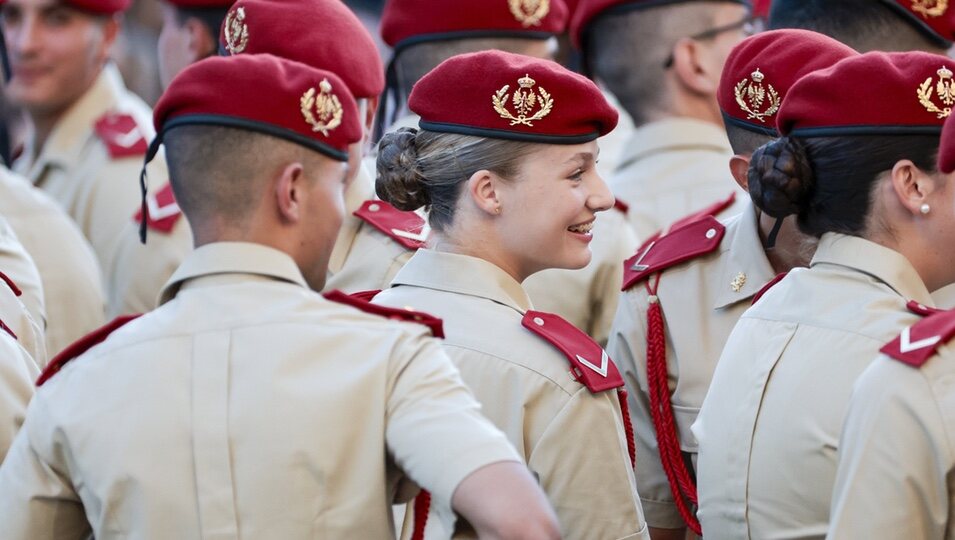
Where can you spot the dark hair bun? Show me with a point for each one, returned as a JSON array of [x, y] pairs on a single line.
[[399, 181], [780, 177]]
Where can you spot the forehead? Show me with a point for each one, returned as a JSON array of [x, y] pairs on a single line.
[[35, 4]]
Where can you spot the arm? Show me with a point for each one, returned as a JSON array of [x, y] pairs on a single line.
[[487, 499], [17, 373]]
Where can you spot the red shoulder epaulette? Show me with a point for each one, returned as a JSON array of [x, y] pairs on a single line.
[[407, 228], [919, 342], [680, 245], [366, 296], [710, 211], [589, 363], [162, 210], [13, 286], [769, 285], [433, 323], [82, 345], [121, 134], [922, 309], [621, 206]]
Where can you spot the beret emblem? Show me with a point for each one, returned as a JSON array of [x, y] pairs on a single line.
[[524, 101], [529, 12], [751, 95], [930, 8], [945, 91], [236, 31], [325, 105]]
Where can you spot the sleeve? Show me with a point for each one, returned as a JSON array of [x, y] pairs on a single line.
[[628, 347], [37, 498], [606, 284], [17, 373], [435, 430], [895, 461], [584, 467]]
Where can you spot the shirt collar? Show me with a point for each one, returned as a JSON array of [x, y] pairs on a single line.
[[72, 131], [882, 263], [223, 258], [745, 263], [674, 134], [360, 190], [463, 274]]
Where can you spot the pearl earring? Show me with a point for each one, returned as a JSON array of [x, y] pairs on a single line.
[[497, 210], [925, 208]]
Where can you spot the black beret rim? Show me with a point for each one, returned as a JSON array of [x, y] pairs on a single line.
[[253, 125], [919, 24], [888, 129], [459, 129], [469, 34], [749, 126]]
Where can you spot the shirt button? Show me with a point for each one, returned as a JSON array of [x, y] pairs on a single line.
[[711, 233], [538, 321], [374, 207]]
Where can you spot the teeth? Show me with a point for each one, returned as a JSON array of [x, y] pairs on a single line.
[[584, 228]]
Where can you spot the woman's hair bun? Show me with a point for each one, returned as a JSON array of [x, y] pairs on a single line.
[[780, 177], [399, 182]]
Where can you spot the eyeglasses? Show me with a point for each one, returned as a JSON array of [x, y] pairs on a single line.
[[749, 26]]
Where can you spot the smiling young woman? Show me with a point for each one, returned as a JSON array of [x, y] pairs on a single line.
[[504, 165]]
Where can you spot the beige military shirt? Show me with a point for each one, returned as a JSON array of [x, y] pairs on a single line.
[[166, 430], [22, 305], [701, 300], [69, 272], [945, 297], [769, 427], [672, 168], [896, 475], [17, 373], [614, 144], [573, 440], [76, 169]]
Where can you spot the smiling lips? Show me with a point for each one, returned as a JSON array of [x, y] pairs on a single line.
[[582, 228]]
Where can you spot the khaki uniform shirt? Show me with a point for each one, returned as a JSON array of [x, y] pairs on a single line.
[[74, 166], [17, 373], [24, 314], [769, 427], [945, 297], [572, 440], [166, 430], [613, 145], [672, 168], [701, 304], [69, 272]]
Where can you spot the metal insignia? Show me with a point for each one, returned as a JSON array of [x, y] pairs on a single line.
[[236, 31], [751, 95], [944, 90], [529, 12], [326, 105], [524, 101], [930, 8], [738, 282]]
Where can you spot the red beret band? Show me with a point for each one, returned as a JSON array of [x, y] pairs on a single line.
[[201, 4], [100, 7]]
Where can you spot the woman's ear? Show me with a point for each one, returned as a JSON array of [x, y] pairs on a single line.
[[913, 187], [739, 168], [484, 188]]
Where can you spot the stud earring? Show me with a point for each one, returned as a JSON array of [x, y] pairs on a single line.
[[497, 210], [925, 208]]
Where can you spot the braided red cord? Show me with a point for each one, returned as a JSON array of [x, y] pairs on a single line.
[[422, 504], [627, 426], [661, 411]]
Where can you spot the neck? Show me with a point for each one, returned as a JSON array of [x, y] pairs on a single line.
[[792, 249], [480, 249], [41, 126]]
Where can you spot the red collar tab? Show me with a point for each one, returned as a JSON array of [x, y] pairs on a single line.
[[621, 206], [367, 296], [712, 210], [433, 323], [162, 211], [82, 345], [679, 245], [407, 228], [766, 287], [919, 342], [589, 363], [922, 309], [13, 286], [122, 135]]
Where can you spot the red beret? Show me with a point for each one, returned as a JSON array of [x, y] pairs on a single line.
[[406, 22], [906, 93], [99, 7], [761, 7], [761, 69], [511, 96], [267, 94], [321, 33], [201, 4], [589, 10], [934, 17]]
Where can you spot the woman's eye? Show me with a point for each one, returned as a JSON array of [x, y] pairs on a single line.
[[577, 175]]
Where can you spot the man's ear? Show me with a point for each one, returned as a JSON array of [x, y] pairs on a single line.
[[289, 192], [482, 187], [111, 28], [739, 168], [692, 71], [370, 113], [913, 186], [201, 42]]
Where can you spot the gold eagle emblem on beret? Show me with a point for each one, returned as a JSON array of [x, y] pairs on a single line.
[[529, 12], [236, 31], [524, 101], [942, 93], [322, 109], [930, 8], [752, 95]]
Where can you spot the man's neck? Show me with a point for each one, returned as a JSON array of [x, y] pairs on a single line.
[[792, 248]]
